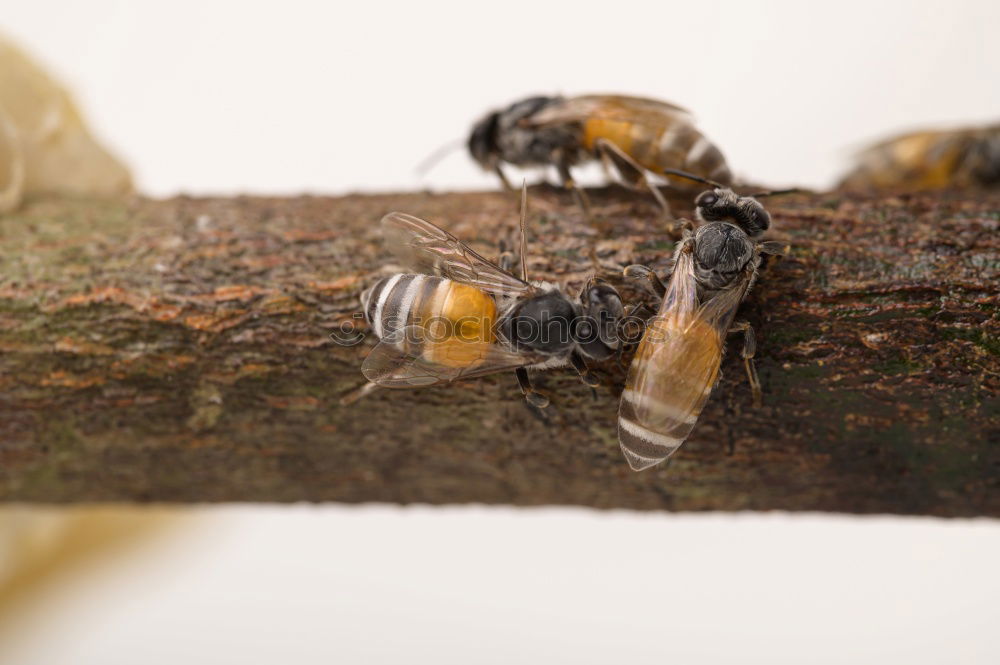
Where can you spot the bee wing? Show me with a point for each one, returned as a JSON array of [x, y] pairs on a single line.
[[397, 362], [681, 297], [671, 375], [607, 107], [433, 250], [720, 311]]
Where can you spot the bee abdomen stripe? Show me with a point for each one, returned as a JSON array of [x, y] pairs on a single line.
[[406, 305], [648, 435], [639, 462], [698, 150], [381, 297], [394, 315], [643, 448], [667, 139], [705, 158], [643, 143], [424, 304], [659, 408], [721, 173], [369, 298]]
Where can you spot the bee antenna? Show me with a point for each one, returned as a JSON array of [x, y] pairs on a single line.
[[433, 159], [775, 192], [524, 241], [691, 176]]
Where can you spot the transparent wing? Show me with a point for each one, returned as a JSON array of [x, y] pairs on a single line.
[[400, 362], [609, 107], [720, 311], [430, 249], [641, 105], [681, 297], [671, 375]]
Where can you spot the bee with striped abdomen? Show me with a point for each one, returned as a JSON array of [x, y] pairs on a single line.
[[930, 160], [677, 362], [631, 134], [461, 316]]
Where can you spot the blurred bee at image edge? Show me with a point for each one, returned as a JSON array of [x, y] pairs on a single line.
[[932, 159], [631, 136]]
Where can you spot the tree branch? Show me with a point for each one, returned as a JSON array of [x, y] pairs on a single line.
[[179, 351]]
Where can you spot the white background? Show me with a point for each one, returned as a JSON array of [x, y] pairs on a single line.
[[290, 97], [328, 97], [301, 585]]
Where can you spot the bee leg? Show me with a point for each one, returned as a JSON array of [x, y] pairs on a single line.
[[749, 349], [642, 310], [774, 248], [730, 435], [581, 368], [658, 195], [619, 355], [683, 227], [771, 250], [631, 328], [534, 398], [581, 197], [631, 172], [506, 258], [637, 271], [503, 178], [356, 394]]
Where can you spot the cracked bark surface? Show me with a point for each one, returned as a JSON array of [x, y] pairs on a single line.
[[179, 351]]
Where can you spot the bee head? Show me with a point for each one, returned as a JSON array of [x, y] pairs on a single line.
[[483, 141], [596, 332], [724, 205]]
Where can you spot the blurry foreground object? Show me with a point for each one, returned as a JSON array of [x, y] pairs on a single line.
[[38, 546], [44, 146], [930, 160]]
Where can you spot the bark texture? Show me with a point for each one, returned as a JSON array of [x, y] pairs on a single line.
[[179, 350]]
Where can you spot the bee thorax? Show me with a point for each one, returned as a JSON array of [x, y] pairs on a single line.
[[721, 251]]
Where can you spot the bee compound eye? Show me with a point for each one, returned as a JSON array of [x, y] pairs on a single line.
[[763, 219], [706, 199]]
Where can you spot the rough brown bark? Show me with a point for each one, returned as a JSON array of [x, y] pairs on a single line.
[[178, 351]]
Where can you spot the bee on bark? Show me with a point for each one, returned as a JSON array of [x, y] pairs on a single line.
[[630, 135], [459, 315], [678, 359], [930, 160]]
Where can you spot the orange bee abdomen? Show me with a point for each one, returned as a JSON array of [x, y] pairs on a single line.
[[446, 322], [668, 384], [462, 326], [617, 131], [922, 160], [671, 143]]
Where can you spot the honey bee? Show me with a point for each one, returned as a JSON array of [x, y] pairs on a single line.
[[460, 316], [677, 362], [630, 135], [930, 160]]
